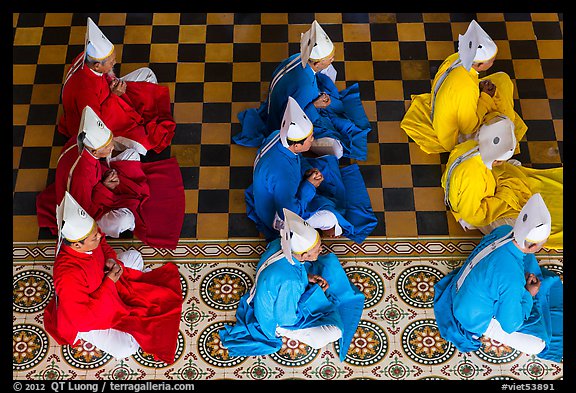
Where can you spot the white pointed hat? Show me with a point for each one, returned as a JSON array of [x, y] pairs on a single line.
[[475, 46], [315, 44], [96, 44], [297, 236], [534, 222], [496, 140], [92, 131], [74, 224], [295, 124]]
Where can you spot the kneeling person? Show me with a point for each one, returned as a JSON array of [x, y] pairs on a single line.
[[109, 300], [297, 293], [502, 293]]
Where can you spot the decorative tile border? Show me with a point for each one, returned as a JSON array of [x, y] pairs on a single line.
[[397, 337], [189, 251]]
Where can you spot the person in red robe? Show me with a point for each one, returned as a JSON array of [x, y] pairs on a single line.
[[120, 193], [135, 107], [102, 300]]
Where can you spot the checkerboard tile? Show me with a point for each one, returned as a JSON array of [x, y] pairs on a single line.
[[216, 65]]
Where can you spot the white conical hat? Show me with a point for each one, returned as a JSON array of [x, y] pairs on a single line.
[[315, 44], [475, 46], [496, 140], [92, 131], [297, 236], [74, 224], [96, 45], [534, 222], [295, 124]]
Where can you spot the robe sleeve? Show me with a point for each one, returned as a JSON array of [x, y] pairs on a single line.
[[102, 195], [292, 193], [275, 304], [510, 188], [88, 97], [467, 116], [83, 189], [515, 303], [97, 310], [305, 97], [485, 104], [474, 204], [472, 109]]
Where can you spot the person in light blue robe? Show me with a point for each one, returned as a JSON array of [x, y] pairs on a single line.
[[298, 294], [282, 180], [504, 294], [307, 77]]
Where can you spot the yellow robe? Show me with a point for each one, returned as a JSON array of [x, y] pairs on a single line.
[[459, 108], [480, 196]]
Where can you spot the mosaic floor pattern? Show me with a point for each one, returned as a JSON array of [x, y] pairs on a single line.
[[396, 339], [218, 64]]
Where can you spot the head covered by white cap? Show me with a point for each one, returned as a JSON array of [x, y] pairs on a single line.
[[96, 45], [475, 46], [315, 44], [297, 236], [74, 224], [496, 140], [92, 131], [534, 222], [295, 125]]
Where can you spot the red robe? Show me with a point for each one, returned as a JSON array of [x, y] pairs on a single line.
[[146, 305], [142, 114], [153, 191]]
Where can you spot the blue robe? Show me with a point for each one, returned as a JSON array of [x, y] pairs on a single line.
[[285, 298], [495, 287], [279, 183], [344, 119]]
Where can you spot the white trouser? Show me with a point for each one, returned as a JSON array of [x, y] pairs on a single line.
[[116, 343], [327, 146], [325, 219], [117, 221], [126, 155], [523, 342], [316, 337], [330, 72], [143, 74], [132, 259]]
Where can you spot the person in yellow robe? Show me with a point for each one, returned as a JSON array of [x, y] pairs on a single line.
[[484, 188], [460, 101]]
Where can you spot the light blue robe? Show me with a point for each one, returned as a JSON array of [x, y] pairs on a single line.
[[285, 298], [344, 119], [279, 183], [495, 287]]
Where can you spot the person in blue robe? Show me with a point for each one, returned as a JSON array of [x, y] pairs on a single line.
[[298, 294], [332, 199], [502, 293], [340, 122]]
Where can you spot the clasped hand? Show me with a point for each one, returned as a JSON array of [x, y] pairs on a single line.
[[314, 176], [487, 87], [317, 279], [111, 179], [532, 284], [113, 270], [322, 101], [118, 86]]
